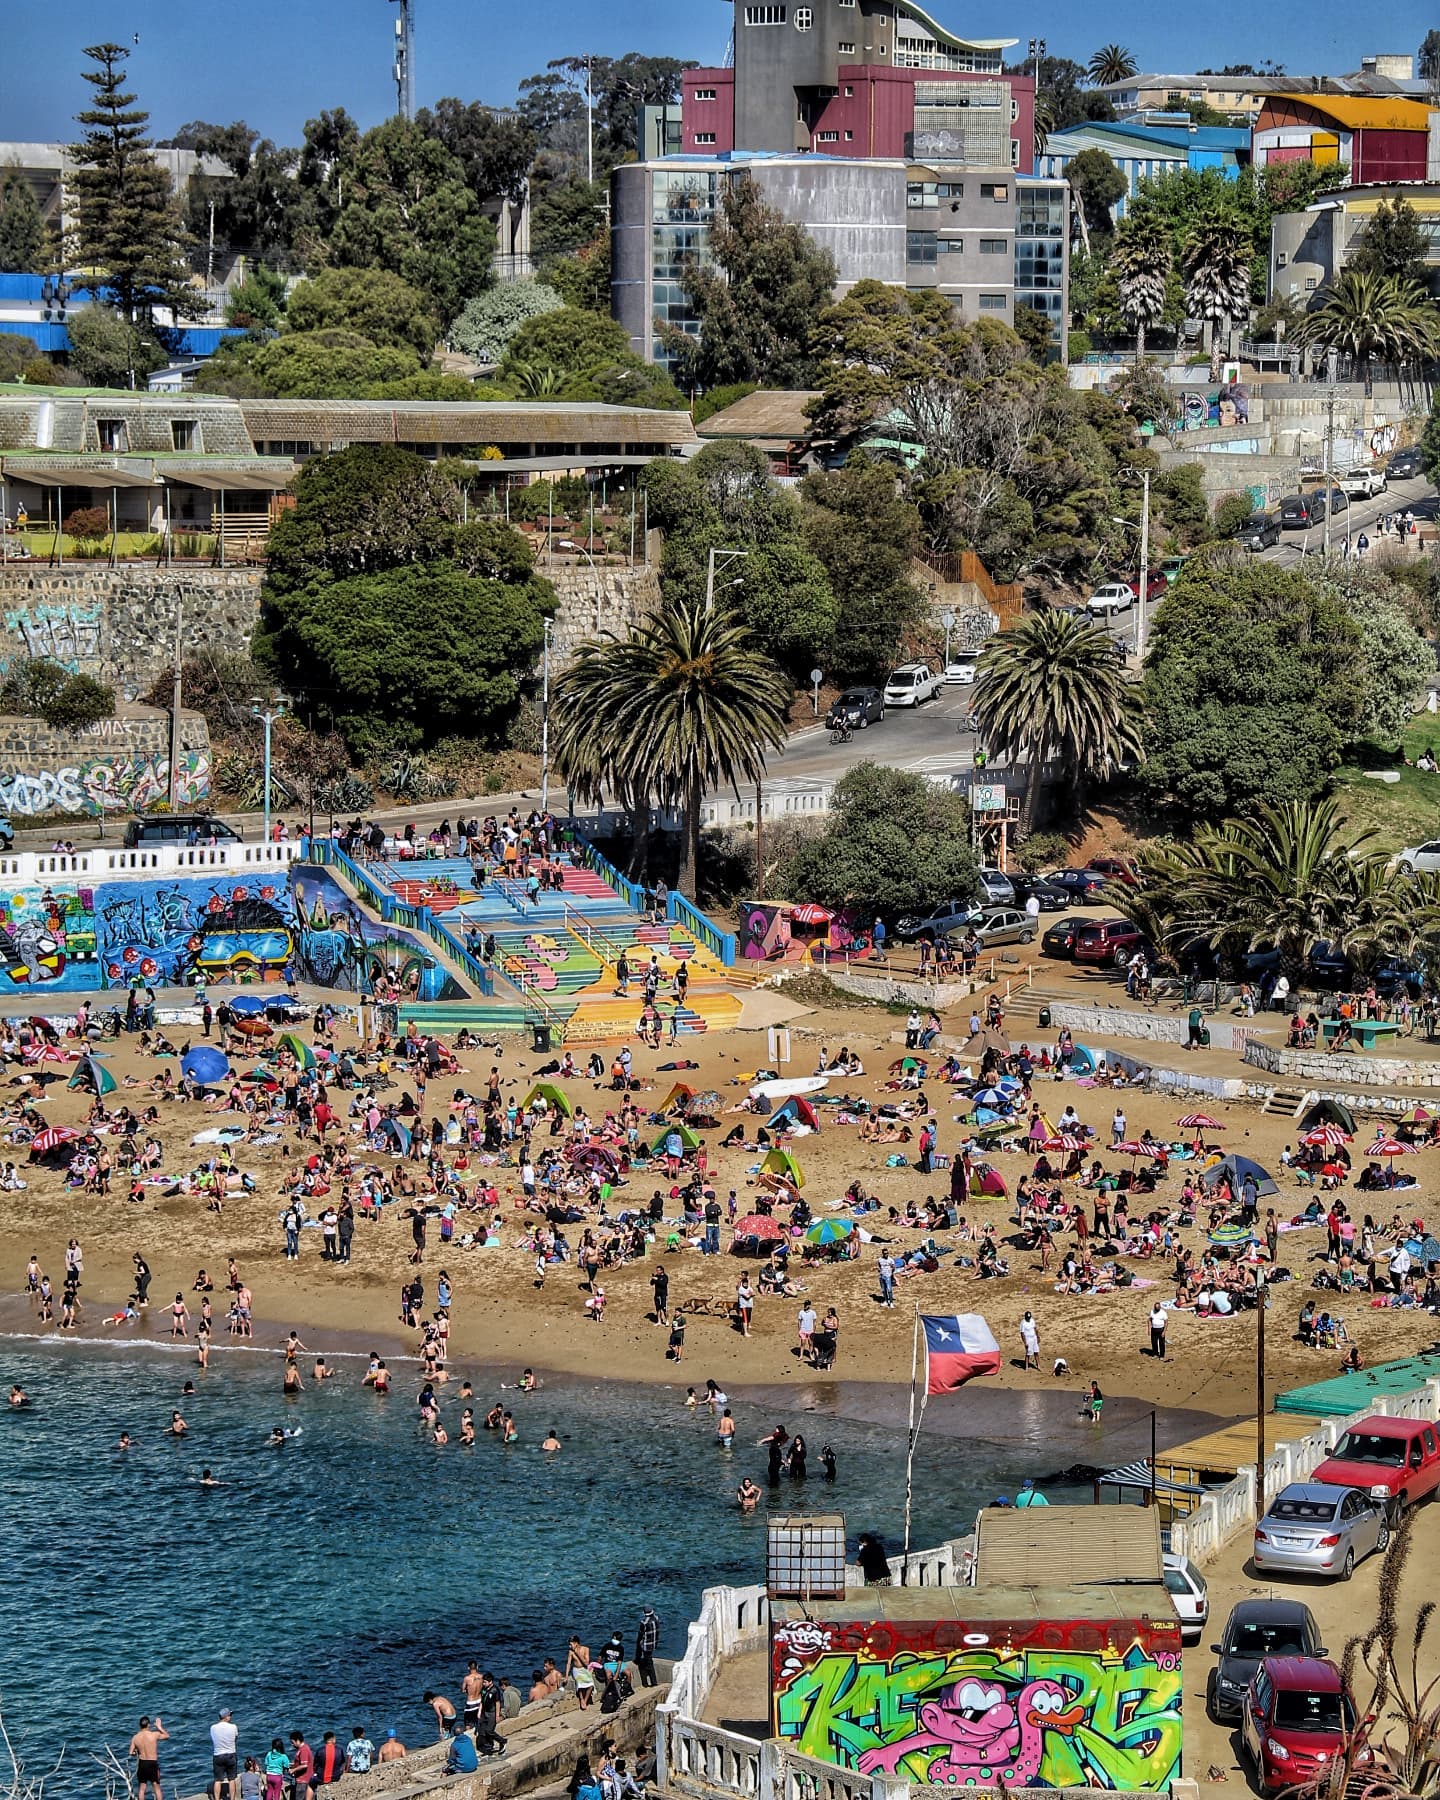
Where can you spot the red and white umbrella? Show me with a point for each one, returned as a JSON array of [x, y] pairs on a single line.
[[1062, 1141], [1387, 1146], [1130, 1147], [51, 1138], [1326, 1135], [1199, 1122]]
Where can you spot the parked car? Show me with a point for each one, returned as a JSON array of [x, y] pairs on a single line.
[[176, 828], [1154, 588], [1405, 464], [1113, 597], [1005, 925], [1115, 868], [1394, 1460], [1172, 566], [1052, 897], [996, 888], [856, 707], [960, 670], [954, 915], [911, 685], [1297, 1717], [1363, 484], [1311, 1528], [1259, 532], [1082, 884], [1256, 1629], [1112, 941], [1060, 939], [1300, 511], [1188, 1595], [1421, 859]]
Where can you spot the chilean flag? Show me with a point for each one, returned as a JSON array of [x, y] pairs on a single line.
[[957, 1349]]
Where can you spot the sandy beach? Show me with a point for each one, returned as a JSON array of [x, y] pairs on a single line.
[[501, 1319]]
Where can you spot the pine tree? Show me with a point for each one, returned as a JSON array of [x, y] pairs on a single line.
[[24, 241], [129, 238]]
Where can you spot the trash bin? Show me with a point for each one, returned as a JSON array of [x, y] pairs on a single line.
[[541, 1043], [1044, 1018], [1205, 1038]]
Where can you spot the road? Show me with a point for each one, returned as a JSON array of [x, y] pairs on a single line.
[[926, 738]]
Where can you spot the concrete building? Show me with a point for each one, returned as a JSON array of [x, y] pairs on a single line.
[[1151, 144], [1242, 97], [1309, 249], [985, 238]]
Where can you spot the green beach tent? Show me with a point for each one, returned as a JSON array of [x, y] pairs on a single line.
[[687, 1138], [784, 1164], [91, 1072], [298, 1048], [547, 1090]]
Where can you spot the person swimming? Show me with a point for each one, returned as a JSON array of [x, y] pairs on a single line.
[[552, 1440], [527, 1382], [207, 1480], [177, 1426], [281, 1434], [18, 1396]]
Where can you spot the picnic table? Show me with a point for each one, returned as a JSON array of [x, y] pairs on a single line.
[[1366, 1032]]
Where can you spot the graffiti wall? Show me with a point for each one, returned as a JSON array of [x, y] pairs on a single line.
[[113, 767], [68, 632], [165, 932], [1025, 1703]]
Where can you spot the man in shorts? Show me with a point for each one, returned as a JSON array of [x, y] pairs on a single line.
[[145, 1748], [224, 1735]]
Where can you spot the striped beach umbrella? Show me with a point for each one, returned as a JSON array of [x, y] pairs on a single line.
[[1387, 1146], [1326, 1135], [1199, 1122]]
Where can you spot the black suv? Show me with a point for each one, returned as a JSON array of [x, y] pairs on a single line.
[[1404, 464], [1257, 1629], [857, 706], [1259, 532], [176, 828]]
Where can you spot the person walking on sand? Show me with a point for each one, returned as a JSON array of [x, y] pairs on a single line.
[[1030, 1339], [1159, 1319], [145, 1748], [744, 1304], [660, 1286]]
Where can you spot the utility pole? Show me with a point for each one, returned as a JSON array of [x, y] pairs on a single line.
[[1262, 1301], [1325, 464], [175, 713], [759, 841], [405, 59], [545, 724], [1144, 567]]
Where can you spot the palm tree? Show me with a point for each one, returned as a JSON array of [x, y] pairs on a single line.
[[1048, 687], [1141, 261], [1367, 315], [1044, 123], [686, 700], [1217, 279], [1111, 62]]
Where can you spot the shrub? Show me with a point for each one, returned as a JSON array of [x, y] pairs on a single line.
[[88, 524], [1231, 513], [1044, 850], [1079, 345], [82, 701]]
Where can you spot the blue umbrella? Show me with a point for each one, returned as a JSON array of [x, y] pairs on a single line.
[[248, 1006], [990, 1096], [206, 1065]]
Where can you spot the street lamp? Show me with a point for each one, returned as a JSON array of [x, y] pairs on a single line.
[[267, 715], [580, 550], [947, 619], [816, 677], [1037, 50]]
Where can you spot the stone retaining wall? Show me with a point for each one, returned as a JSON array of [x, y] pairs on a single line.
[[1362, 1069], [1150, 1028], [113, 767], [625, 595]]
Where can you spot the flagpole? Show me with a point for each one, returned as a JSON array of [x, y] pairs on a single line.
[[910, 1451]]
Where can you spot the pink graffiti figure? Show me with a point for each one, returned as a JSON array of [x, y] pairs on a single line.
[[991, 1735]]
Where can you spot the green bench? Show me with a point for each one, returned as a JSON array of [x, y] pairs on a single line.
[[1367, 1033]]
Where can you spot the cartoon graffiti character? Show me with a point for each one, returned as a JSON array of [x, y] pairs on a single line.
[[992, 1734]]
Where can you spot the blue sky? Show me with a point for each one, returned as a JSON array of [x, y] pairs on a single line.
[[276, 64]]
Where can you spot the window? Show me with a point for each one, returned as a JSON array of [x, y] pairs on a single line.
[[950, 190], [1014, 153], [827, 137], [919, 193], [994, 246], [704, 93], [849, 137], [1014, 109], [849, 93], [992, 303], [845, 49], [1309, 284], [920, 246], [952, 246], [184, 434], [114, 434], [994, 190], [804, 18], [704, 137], [765, 15]]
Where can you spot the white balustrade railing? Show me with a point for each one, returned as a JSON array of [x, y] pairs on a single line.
[[35, 868]]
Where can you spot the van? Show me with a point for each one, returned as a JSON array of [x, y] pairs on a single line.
[[911, 685], [178, 828], [1395, 1460]]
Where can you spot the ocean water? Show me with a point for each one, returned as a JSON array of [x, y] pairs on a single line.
[[331, 1582]]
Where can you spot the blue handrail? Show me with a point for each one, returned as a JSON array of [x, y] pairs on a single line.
[[719, 943]]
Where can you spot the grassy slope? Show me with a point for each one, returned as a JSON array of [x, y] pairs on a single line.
[[1403, 812]]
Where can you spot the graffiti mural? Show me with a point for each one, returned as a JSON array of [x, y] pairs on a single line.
[[1020, 1703], [339, 946], [105, 784], [68, 635]]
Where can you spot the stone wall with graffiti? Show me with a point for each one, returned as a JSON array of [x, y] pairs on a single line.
[[112, 768], [119, 624], [953, 1703], [164, 932]]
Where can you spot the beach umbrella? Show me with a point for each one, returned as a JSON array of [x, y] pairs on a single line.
[[398, 1134], [759, 1225], [828, 1231], [92, 1074], [909, 1065], [705, 1109], [51, 1138], [248, 1006], [205, 1065], [1417, 1115], [1131, 1147], [1387, 1146], [1230, 1234], [1063, 1141], [990, 1096], [1199, 1122], [1326, 1135], [254, 1028], [987, 1181], [297, 1047]]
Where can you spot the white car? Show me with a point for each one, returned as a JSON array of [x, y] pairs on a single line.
[[961, 668], [911, 685], [1363, 484], [1422, 859], [1188, 1595], [1115, 596]]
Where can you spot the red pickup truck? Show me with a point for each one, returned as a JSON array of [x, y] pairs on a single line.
[[1390, 1459]]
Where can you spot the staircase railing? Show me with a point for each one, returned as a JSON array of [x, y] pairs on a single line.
[[606, 949], [720, 944]]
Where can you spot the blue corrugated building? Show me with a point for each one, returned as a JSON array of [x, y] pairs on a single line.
[[1143, 148]]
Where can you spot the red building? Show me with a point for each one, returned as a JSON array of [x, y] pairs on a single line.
[[1383, 139]]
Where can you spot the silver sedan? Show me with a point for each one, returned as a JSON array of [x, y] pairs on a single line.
[[1313, 1529]]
